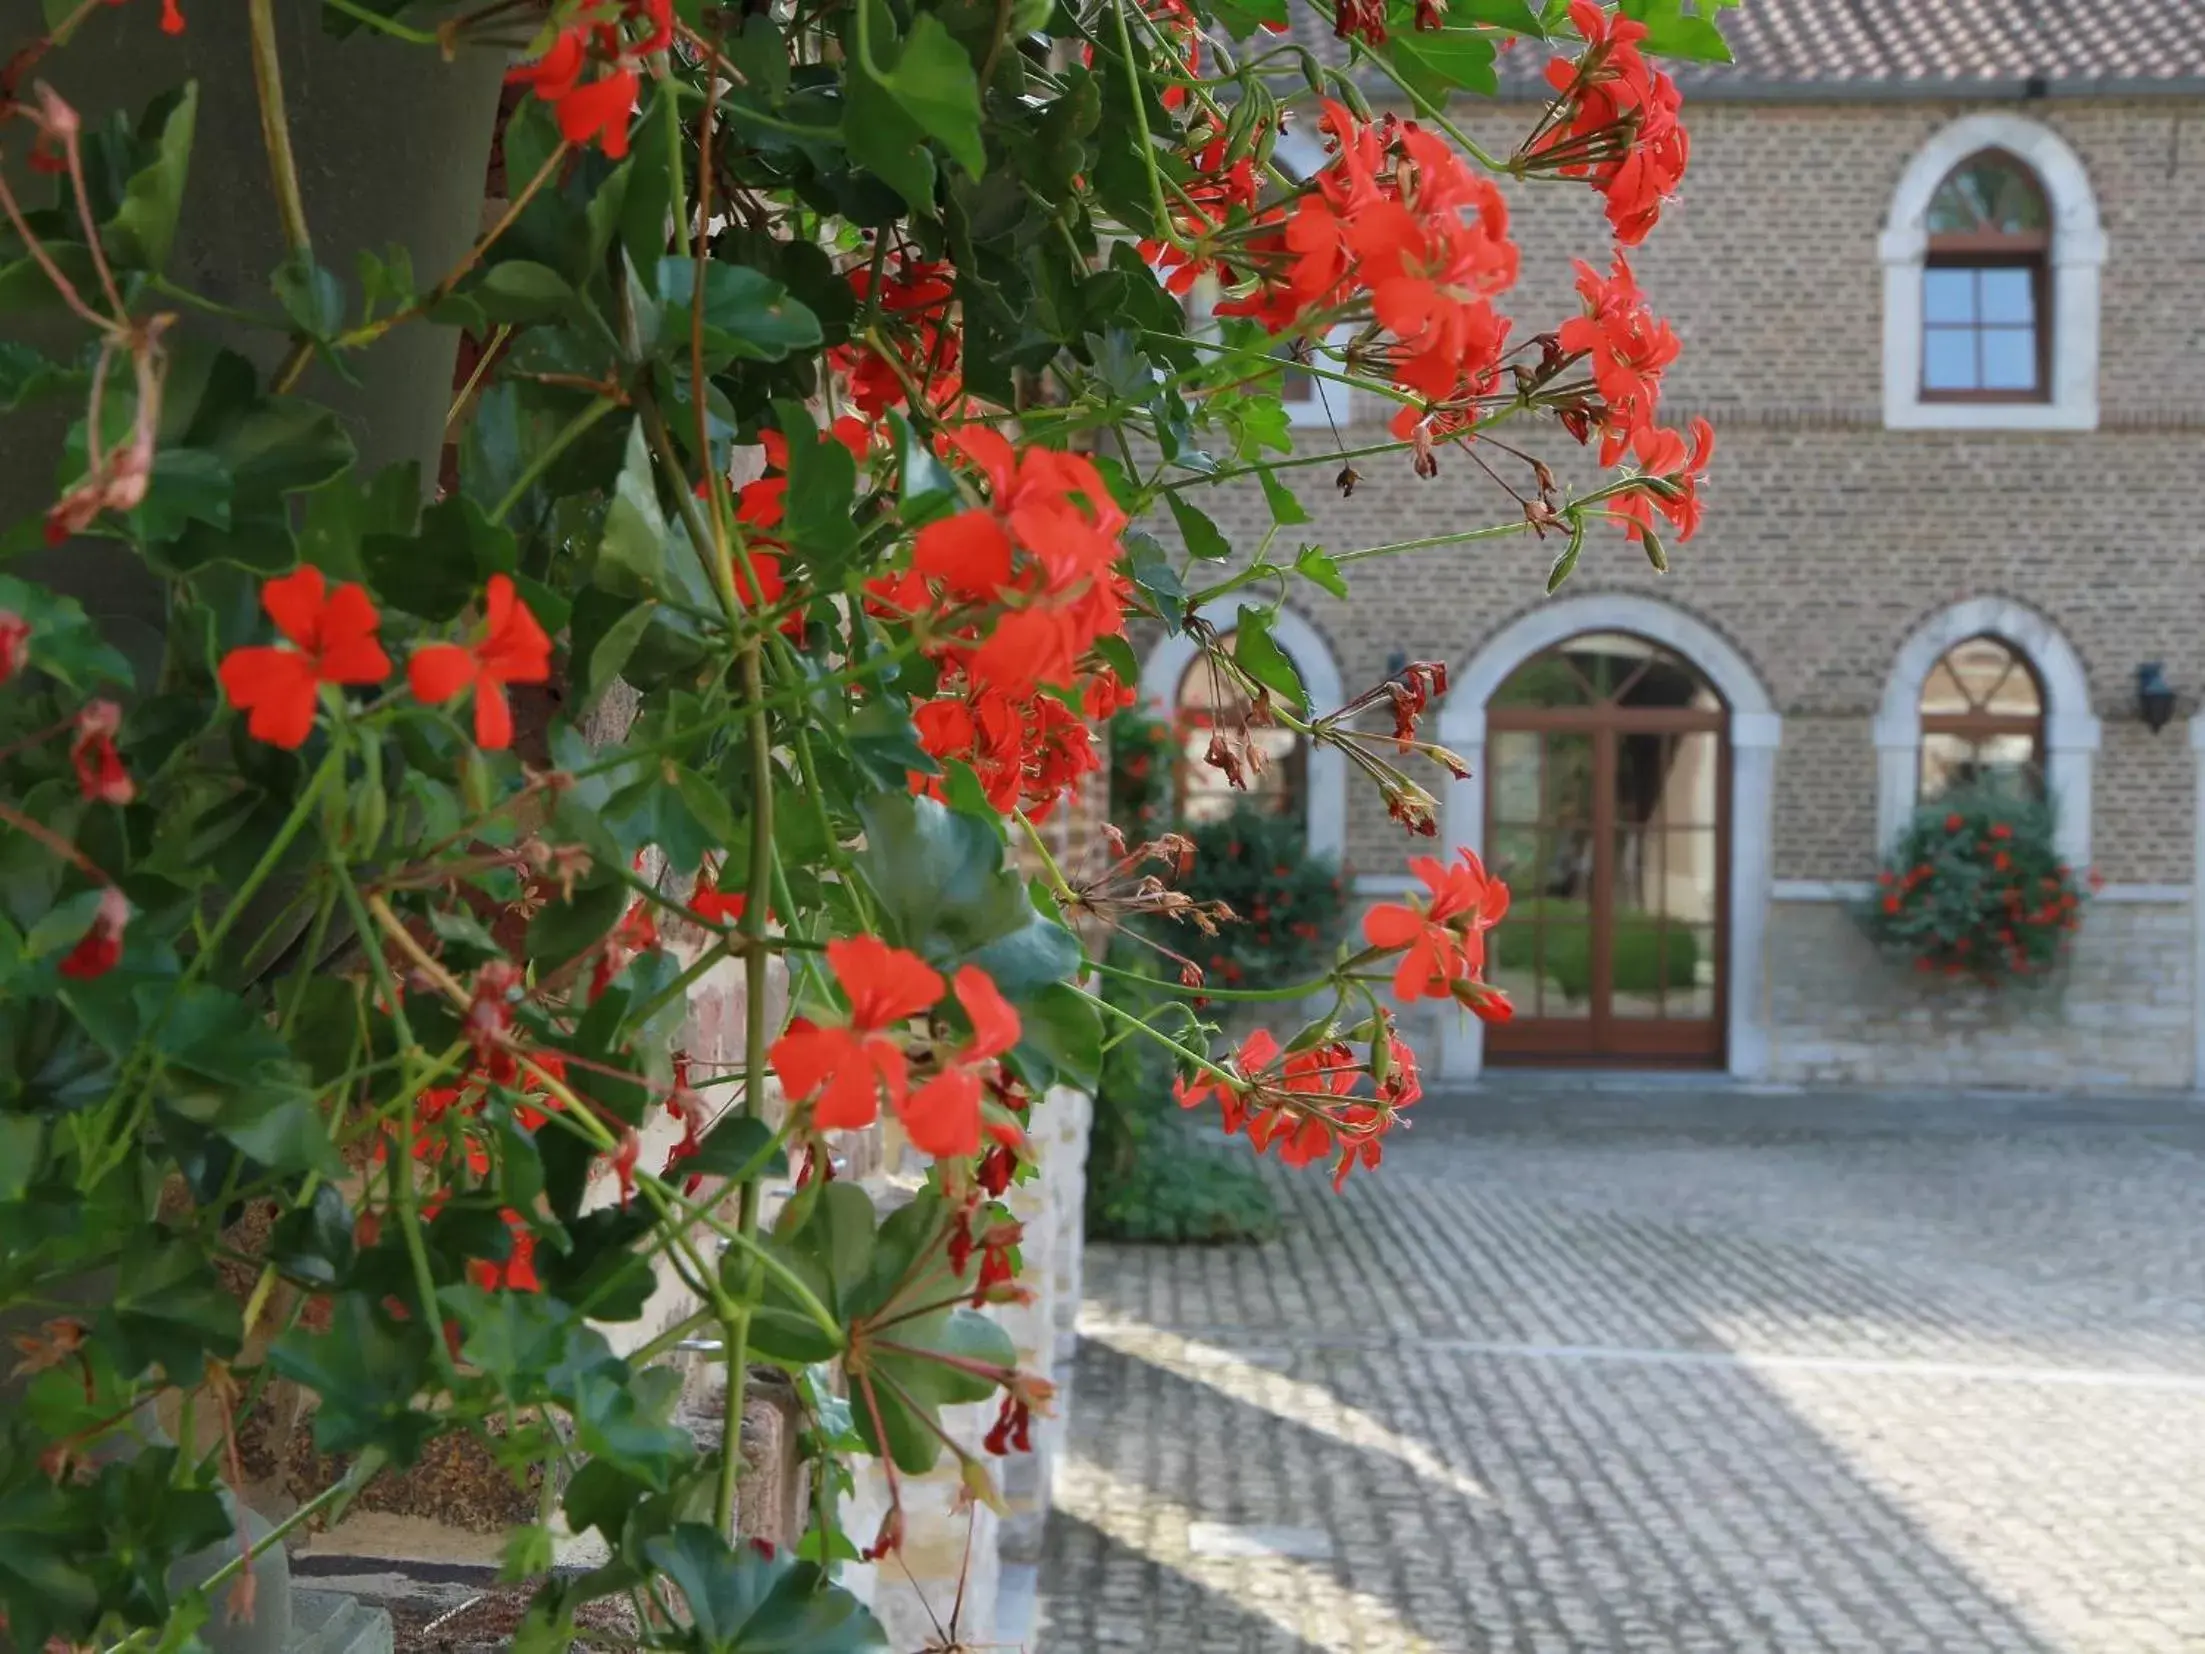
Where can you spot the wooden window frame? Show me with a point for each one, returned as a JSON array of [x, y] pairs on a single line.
[[2029, 250]]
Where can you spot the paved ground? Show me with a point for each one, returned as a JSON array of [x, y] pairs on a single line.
[[1665, 1372]]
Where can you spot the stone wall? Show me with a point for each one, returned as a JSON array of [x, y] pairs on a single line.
[[2120, 1014]]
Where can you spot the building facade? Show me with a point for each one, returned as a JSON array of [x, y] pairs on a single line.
[[1942, 293]]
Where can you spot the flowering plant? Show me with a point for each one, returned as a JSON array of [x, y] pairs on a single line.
[[1976, 887], [779, 585]]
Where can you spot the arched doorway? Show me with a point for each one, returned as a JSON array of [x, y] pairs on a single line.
[[1607, 810]]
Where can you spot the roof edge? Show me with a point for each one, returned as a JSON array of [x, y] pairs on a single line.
[[2035, 89]]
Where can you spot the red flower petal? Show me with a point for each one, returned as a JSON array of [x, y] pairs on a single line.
[[943, 1117], [277, 689], [438, 671]]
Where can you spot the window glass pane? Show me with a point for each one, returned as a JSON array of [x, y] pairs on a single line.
[[1981, 665], [2018, 696], [2008, 761], [1942, 692], [1948, 295], [2008, 295], [1512, 776], [1948, 761], [1547, 681], [1948, 359], [2009, 358], [1989, 193]]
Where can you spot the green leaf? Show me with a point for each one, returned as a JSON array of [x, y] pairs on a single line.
[[733, 1144], [1262, 659], [934, 83], [1316, 566], [1672, 31], [521, 292], [565, 928], [1435, 62], [822, 488], [940, 875], [878, 134], [612, 649], [342, 515], [631, 553], [22, 1141], [1516, 16], [314, 1242], [747, 314], [622, 1419], [144, 226], [1203, 537], [26, 375], [1060, 1039], [311, 296], [439, 571], [366, 1371], [169, 1310], [743, 1603], [1286, 510]]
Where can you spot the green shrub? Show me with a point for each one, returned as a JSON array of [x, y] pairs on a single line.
[[1290, 906], [1149, 1178], [1641, 960], [1976, 887]]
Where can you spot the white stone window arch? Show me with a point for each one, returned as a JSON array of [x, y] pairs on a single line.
[[2071, 730], [1324, 791], [1755, 730], [2077, 252]]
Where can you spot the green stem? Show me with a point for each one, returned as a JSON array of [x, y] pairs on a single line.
[[1300, 990], [275, 127], [755, 1030], [1492, 532], [1194, 1058], [377, 21], [1057, 882], [567, 435], [1164, 226]]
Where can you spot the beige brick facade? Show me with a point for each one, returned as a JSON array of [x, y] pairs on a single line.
[[1830, 539]]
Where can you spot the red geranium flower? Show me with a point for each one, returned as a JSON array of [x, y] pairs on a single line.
[[101, 948], [100, 772], [1443, 938], [850, 1064], [334, 642], [517, 1271], [15, 643], [943, 1116], [513, 649]]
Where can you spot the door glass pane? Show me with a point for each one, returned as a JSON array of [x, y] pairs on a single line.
[[1512, 777], [1690, 973]]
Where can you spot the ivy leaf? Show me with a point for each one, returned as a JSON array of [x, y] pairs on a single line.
[[941, 876], [143, 228], [1286, 510], [564, 928], [438, 571], [934, 83], [1436, 62], [613, 647], [310, 295], [822, 489], [314, 1241], [341, 516], [747, 314], [621, 1417], [1516, 16], [1060, 1039], [733, 1144], [1262, 659], [520, 291], [1671, 31], [742, 1603], [26, 375], [631, 553], [169, 1310], [1203, 537], [879, 135], [366, 1370], [1317, 567]]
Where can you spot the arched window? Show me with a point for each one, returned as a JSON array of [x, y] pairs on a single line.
[[1986, 322], [1982, 720], [1987, 690], [1991, 258], [1208, 709]]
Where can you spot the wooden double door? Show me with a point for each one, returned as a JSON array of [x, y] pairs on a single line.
[[1607, 812]]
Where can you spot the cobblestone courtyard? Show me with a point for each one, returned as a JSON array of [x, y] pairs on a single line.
[[1664, 1372]]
